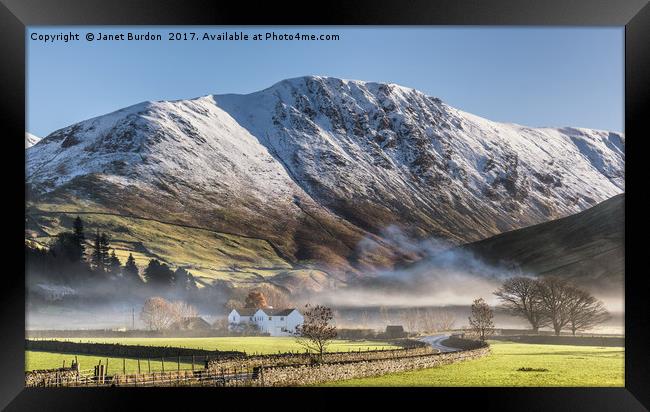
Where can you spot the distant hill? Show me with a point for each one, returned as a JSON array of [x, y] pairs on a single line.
[[589, 245]]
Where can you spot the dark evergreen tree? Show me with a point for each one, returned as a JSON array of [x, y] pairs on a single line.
[[100, 257], [66, 248], [181, 279], [96, 256], [130, 270], [158, 274], [105, 247], [191, 283], [114, 263], [80, 237]]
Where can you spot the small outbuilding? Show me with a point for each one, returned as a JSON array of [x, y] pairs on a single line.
[[191, 323], [395, 332]]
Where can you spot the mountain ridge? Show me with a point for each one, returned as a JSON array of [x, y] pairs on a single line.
[[322, 166]]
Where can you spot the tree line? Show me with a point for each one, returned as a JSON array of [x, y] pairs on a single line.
[[553, 302], [72, 257]]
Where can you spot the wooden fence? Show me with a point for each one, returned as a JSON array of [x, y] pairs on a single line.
[[99, 376]]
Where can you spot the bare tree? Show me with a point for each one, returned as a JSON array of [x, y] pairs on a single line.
[[383, 312], [434, 320], [364, 319], [583, 310], [157, 313], [554, 294], [481, 319], [429, 320], [182, 310], [410, 319], [233, 304], [444, 320], [316, 332], [520, 297]]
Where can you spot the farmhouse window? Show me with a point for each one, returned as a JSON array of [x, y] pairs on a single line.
[[269, 317], [282, 318]]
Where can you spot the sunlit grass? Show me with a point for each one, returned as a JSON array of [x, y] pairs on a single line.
[[566, 366], [47, 360], [250, 345]]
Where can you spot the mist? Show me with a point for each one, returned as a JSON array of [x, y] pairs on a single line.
[[445, 276]]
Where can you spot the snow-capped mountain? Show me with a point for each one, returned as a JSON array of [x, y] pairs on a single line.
[[31, 140], [321, 167]]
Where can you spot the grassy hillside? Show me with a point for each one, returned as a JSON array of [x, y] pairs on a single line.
[[564, 366], [589, 245], [207, 254]]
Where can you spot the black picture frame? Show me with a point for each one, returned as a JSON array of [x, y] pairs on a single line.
[[15, 15]]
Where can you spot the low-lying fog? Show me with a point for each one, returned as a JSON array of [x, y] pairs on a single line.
[[446, 279]]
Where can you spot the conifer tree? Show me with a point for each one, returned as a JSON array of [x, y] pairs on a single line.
[[158, 274], [114, 263], [100, 258], [80, 237], [130, 270]]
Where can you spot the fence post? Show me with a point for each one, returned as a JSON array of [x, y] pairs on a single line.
[[149, 364], [124, 366], [107, 366], [192, 363], [138, 366], [163, 364]]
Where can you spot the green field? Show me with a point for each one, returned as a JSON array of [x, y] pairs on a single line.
[[47, 360], [566, 366], [250, 345]]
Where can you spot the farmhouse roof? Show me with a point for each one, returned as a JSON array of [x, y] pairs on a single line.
[[246, 311], [267, 311], [281, 312]]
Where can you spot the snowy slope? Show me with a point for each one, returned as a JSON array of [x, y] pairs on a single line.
[[31, 140], [317, 164]]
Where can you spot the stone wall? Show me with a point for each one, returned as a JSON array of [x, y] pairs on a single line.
[[307, 359], [51, 377], [313, 374]]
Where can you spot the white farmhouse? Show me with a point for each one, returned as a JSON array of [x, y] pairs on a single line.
[[276, 322]]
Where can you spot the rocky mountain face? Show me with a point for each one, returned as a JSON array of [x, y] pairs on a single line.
[[321, 167]]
